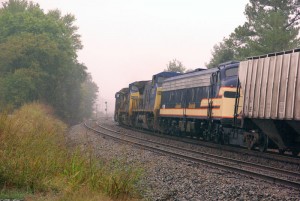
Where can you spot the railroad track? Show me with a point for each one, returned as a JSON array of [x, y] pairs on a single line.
[[255, 153], [271, 174]]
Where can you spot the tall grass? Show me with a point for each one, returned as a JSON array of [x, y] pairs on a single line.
[[34, 157]]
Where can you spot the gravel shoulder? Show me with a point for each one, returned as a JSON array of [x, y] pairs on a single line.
[[168, 178]]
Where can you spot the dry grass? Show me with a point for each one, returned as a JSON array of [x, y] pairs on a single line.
[[34, 158]]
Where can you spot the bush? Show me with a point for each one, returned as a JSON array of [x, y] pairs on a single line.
[[34, 157]]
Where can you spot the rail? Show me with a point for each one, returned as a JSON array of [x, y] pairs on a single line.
[[238, 166]]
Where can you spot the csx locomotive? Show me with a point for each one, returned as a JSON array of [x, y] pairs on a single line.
[[254, 103]]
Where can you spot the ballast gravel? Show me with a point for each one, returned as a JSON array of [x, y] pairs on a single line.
[[168, 178]]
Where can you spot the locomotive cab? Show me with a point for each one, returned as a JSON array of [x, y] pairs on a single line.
[[223, 92], [146, 113], [121, 106], [227, 74], [136, 90]]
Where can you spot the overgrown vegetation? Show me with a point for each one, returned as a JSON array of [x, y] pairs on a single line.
[[38, 61], [34, 159]]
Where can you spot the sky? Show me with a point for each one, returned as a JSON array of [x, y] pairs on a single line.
[[131, 40]]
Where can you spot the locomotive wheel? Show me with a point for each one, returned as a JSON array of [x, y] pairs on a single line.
[[250, 142], [197, 136], [218, 135], [206, 135], [217, 139], [225, 138], [177, 133], [222, 136]]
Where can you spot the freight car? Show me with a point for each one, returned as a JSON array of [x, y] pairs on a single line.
[[253, 103], [271, 101]]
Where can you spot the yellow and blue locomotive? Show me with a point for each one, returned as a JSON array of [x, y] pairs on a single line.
[[121, 105], [127, 100], [145, 112], [200, 103]]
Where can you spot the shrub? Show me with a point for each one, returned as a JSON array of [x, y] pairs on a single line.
[[34, 157]]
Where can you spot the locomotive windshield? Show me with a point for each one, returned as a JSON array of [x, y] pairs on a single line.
[[160, 80], [231, 72], [134, 89]]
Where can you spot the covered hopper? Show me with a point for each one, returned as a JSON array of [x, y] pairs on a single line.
[[271, 86]]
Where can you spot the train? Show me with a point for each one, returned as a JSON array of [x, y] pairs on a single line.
[[253, 103]]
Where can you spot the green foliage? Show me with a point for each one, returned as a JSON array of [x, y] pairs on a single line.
[[19, 87], [34, 157], [175, 66], [220, 54], [38, 59], [271, 26]]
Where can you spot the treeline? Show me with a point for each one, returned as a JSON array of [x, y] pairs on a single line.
[[271, 26], [38, 61]]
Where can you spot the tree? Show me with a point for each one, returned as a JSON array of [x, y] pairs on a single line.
[[221, 53], [38, 59], [271, 26], [175, 66], [18, 88]]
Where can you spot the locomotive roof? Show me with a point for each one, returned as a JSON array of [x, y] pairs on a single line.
[[139, 84], [124, 90], [228, 64], [192, 74], [167, 74], [189, 80]]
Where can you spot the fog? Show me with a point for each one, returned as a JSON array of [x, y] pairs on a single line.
[[126, 41]]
